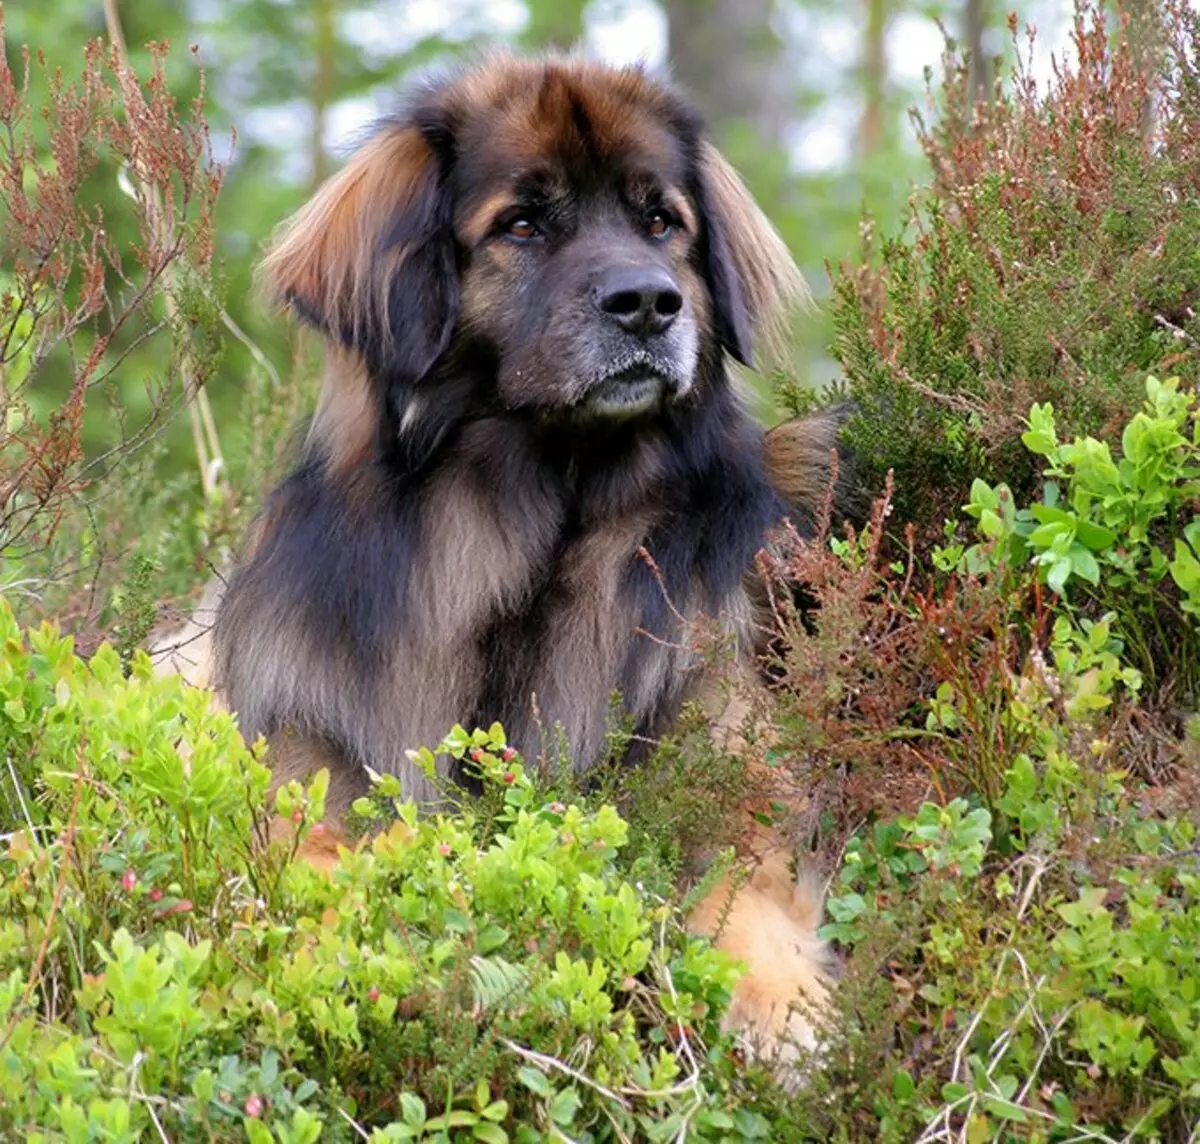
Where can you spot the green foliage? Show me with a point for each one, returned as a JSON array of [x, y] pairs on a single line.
[[1017, 907], [1118, 536], [1047, 983], [1021, 936], [1053, 259], [486, 975]]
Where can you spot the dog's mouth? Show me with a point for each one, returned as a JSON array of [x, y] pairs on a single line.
[[631, 392]]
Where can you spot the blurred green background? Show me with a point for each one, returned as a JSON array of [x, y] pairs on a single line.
[[809, 98]]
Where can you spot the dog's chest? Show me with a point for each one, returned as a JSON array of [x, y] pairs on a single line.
[[542, 601], [598, 617]]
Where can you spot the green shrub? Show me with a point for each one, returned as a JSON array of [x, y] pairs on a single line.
[[1024, 968], [1120, 538], [1042, 986], [488, 975], [1020, 909]]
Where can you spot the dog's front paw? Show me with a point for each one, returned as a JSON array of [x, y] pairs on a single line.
[[771, 925]]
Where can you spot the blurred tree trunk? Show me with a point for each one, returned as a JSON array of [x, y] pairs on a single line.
[[729, 59], [324, 84], [874, 77], [975, 17]]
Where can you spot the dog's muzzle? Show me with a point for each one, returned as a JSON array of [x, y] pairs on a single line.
[[630, 393]]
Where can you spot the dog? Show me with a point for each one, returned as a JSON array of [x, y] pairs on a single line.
[[529, 477]]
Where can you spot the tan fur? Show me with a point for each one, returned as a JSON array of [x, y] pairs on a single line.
[[799, 457], [775, 288], [187, 650], [480, 221], [347, 411], [766, 911]]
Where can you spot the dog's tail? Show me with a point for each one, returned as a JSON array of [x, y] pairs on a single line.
[[800, 460]]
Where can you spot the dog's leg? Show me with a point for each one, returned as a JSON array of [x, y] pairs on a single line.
[[770, 920]]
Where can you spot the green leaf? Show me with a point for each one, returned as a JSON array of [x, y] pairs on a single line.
[[903, 1086], [1005, 1109], [979, 1130], [536, 1081], [490, 1134], [1083, 564], [1059, 574], [412, 1109], [564, 1106], [268, 1070], [490, 938], [1094, 536], [496, 1111], [751, 1125], [1041, 438], [257, 1132], [982, 497], [1045, 535]]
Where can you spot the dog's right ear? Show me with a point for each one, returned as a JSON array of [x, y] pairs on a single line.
[[370, 259]]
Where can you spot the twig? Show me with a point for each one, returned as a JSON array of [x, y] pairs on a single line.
[[362, 1132], [554, 1063], [255, 351], [204, 430], [1178, 332]]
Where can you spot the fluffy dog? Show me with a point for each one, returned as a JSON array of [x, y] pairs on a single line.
[[530, 282]]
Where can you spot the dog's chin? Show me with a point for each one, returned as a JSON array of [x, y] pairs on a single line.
[[632, 393]]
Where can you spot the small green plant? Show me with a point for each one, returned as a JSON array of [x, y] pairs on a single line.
[[1036, 945], [1118, 534]]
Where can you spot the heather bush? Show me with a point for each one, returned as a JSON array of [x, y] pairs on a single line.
[[1053, 258], [1016, 887], [76, 308], [107, 345]]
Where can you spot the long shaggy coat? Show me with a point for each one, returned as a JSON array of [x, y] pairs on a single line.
[[529, 476]]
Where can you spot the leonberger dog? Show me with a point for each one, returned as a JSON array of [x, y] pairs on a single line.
[[529, 476]]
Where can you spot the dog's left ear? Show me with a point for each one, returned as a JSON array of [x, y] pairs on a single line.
[[754, 283]]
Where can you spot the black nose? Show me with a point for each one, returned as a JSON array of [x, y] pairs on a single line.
[[641, 299]]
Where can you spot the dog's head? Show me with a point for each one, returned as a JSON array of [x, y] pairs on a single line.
[[560, 229]]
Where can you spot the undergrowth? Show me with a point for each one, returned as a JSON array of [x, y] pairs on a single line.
[[989, 692], [1053, 257], [1017, 891], [489, 975]]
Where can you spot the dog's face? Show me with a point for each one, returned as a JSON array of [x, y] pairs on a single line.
[[557, 228], [580, 237]]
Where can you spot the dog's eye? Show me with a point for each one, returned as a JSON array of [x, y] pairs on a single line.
[[659, 225], [521, 229]]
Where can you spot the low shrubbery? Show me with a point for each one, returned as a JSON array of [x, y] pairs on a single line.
[[488, 975], [990, 690], [1023, 945], [1054, 257]]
